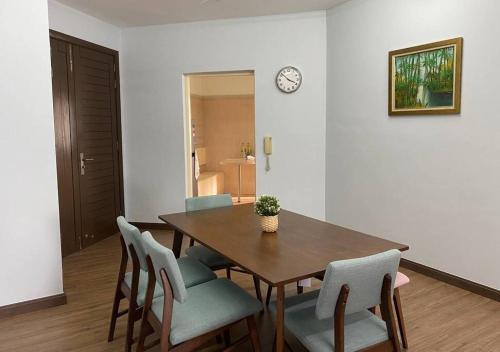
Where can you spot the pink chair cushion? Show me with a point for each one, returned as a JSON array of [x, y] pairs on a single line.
[[401, 279]]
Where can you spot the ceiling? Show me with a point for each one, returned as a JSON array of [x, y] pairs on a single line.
[[131, 13]]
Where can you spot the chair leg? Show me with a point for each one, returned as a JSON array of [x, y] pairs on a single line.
[[114, 313], [218, 339], [131, 318], [146, 330], [268, 294], [228, 273], [227, 338], [286, 343], [399, 314], [254, 334], [274, 341], [300, 289], [256, 283]]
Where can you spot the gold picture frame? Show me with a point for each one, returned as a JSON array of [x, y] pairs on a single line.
[[426, 79]]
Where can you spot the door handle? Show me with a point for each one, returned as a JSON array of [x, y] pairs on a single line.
[[82, 163]]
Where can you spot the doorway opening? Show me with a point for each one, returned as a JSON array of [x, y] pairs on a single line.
[[219, 123]]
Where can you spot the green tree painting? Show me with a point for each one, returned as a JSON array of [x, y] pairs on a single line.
[[424, 79]]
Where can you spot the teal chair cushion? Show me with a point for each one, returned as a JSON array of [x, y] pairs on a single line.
[[207, 256], [208, 202], [192, 271], [211, 305], [143, 286], [362, 329]]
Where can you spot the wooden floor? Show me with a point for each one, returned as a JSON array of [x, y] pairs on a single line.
[[439, 317]]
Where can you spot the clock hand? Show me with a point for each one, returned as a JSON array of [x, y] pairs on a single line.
[[288, 78]]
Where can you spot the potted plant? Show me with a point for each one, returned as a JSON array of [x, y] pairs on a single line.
[[268, 207]]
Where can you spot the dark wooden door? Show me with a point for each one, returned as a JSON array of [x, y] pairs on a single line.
[[86, 116], [97, 143]]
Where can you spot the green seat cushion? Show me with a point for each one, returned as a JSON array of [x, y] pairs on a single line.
[[207, 256], [193, 272], [361, 329], [143, 286], [209, 306]]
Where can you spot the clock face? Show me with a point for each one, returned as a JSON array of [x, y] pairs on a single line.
[[289, 79]]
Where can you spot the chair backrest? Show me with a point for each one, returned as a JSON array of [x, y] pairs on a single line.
[[364, 276], [132, 235], [208, 202], [163, 258]]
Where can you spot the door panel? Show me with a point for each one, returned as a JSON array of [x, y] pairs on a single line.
[[86, 119], [61, 57], [97, 143]]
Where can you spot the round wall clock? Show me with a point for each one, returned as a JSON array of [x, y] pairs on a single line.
[[288, 79]]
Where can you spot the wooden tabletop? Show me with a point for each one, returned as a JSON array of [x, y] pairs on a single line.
[[301, 248]]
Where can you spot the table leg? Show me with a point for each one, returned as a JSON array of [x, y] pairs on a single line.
[[177, 246], [239, 183], [280, 319]]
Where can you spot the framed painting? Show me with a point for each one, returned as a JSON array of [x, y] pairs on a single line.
[[426, 79]]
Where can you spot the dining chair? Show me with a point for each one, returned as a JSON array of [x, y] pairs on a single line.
[[401, 279], [132, 285], [337, 317], [186, 318], [205, 255]]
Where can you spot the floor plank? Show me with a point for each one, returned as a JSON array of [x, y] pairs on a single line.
[[439, 317]]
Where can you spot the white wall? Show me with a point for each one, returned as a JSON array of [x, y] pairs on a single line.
[[154, 60], [430, 182], [30, 251], [78, 24]]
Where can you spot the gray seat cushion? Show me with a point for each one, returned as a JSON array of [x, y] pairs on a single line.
[[209, 306], [362, 329], [192, 271], [207, 256]]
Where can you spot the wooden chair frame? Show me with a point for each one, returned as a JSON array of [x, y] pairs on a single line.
[[386, 308], [399, 314], [130, 293], [150, 324]]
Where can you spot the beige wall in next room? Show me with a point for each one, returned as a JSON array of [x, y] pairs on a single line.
[[229, 121]]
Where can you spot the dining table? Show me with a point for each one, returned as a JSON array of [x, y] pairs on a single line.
[[301, 248]]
